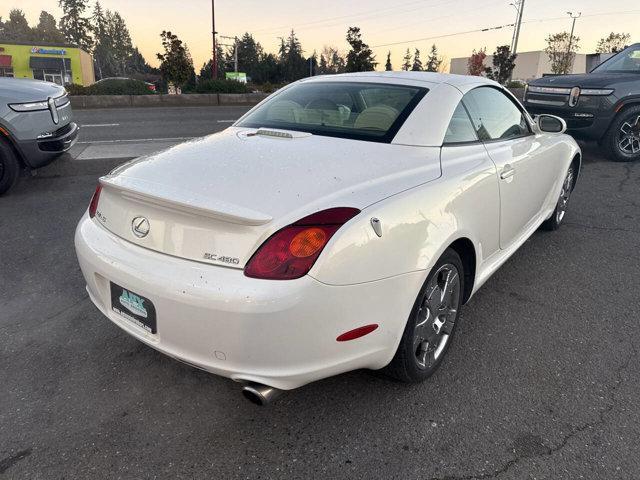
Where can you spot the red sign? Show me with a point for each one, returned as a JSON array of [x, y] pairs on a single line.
[[5, 60]]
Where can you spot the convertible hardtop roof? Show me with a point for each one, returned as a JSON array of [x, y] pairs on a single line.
[[409, 77]]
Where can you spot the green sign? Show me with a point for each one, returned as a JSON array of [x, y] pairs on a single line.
[[237, 76]]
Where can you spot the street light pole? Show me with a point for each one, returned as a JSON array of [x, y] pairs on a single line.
[[573, 26], [214, 65]]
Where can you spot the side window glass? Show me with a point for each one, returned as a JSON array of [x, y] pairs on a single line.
[[494, 115], [460, 129]]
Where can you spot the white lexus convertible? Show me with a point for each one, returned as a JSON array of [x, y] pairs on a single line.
[[340, 224]]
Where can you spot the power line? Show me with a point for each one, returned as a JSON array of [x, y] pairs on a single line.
[[445, 35], [500, 27]]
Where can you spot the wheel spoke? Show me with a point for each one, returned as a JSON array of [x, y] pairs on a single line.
[[450, 284], [447, 327]]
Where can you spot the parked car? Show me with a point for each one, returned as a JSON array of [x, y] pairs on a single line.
[[36, 126], [602, 105], [149, 85], [339, 225]]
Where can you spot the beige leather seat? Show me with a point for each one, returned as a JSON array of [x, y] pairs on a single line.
[[380, 117], [285, 111]]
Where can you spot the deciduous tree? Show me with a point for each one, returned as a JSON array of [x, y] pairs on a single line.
[[560, 54], [475, 65], [614, 43], [175, 62]]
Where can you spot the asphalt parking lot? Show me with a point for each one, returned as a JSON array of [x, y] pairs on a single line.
[[542, 380]]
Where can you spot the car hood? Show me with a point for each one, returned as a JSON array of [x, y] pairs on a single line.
[[251, 179], [19, 90], [586, 80]]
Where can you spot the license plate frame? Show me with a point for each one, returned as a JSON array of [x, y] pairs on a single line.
[[135, 308]]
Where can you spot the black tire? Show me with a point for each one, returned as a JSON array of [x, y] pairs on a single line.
[[406, 365], [553, 223], [9, 167], [628, 120]]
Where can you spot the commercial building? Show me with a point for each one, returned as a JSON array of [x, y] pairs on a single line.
[[61, 64], [530, 65]]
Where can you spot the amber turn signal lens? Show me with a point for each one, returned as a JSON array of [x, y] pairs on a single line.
[[307, 242]]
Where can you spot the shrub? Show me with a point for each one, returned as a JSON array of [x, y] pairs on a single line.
[[515, 84], [221, 86], [111, 87]]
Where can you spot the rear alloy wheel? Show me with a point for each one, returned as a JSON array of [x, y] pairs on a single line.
[[622, 141], [430, 327], [554, 222], [9, 168]]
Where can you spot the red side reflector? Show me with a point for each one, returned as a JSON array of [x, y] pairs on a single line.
[[357, 333]]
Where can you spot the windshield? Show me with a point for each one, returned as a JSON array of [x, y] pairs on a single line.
[[627, 61], [361, 111]]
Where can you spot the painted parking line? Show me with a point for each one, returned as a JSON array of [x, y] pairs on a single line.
[[136, 140]]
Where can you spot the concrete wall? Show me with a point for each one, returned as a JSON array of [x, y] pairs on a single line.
[[185, 100], [529, 65]]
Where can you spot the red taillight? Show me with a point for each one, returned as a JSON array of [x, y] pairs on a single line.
[[291, 252], [93, 206]]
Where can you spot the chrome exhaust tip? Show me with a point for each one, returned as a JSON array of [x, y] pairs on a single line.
[[260, 394]]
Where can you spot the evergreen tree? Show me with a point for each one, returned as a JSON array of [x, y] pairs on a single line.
[[323, 68], [360, 58], [74, 25], [121, 45], [406, 65], [47, 30], [292, 62], [388, 67], [17, 29], [417, 63], [175, 62], [433, 60]]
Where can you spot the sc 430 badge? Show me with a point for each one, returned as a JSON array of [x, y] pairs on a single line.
[[221, 259]]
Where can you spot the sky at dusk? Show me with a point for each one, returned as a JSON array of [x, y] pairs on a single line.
[[382, 22]]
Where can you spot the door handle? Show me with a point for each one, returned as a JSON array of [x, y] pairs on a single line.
[[507, 172]]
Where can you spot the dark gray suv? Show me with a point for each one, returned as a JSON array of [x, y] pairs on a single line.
[[602, 105], [35, 126]]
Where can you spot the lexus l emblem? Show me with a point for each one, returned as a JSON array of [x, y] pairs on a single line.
[[140, 227]]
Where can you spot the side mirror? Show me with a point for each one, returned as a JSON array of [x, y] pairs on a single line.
[[551, 124]]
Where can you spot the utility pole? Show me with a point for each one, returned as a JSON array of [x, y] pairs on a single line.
[[235, 51], [568, 61], [214, 65], [519, 6]]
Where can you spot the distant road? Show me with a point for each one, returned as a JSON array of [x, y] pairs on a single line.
[[130, 132]]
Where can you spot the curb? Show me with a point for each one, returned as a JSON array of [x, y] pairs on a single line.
[[80, 102]]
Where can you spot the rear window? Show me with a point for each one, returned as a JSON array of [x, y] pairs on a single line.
[[361, 111]]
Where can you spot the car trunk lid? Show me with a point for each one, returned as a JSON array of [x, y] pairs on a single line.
[[218, 198]]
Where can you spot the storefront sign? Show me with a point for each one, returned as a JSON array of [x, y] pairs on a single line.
[[49, 51]]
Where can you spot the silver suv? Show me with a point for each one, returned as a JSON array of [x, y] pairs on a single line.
[[35, 126]]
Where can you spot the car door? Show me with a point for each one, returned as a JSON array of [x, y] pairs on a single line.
[[467, 165], [520, 161]]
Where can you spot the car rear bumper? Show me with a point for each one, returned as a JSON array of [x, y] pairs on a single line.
[[39, 152], [279, 333]]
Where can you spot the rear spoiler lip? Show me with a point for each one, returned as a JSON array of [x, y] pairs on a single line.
[[216, 209]]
